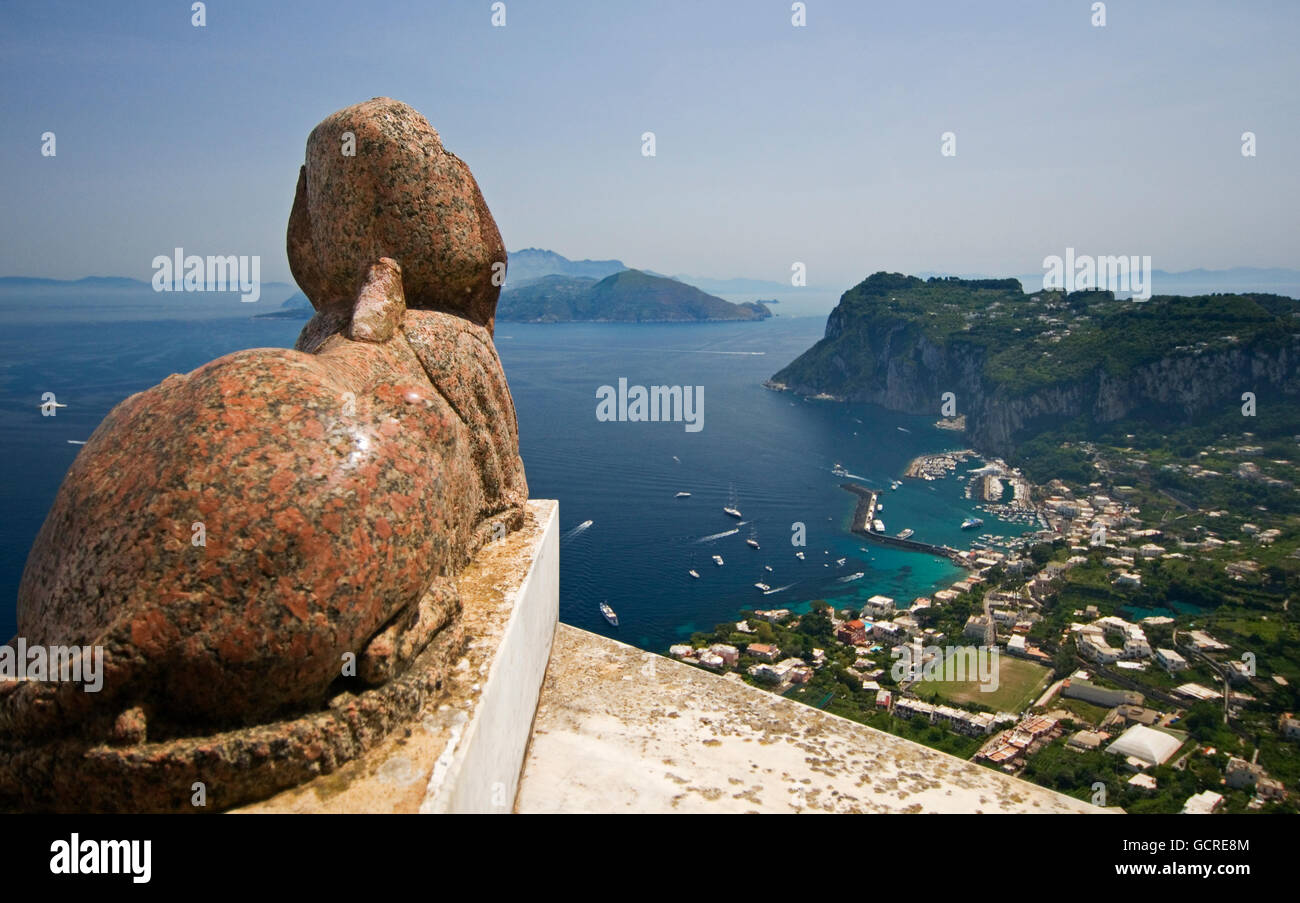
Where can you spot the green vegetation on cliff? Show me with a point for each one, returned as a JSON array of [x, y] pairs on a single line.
[[1018, 363], [628, 297]]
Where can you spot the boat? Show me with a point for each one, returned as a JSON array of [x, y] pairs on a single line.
[[694, 573], [906, 534], [762, 587], [768, 568], [839, 562], [972, 523], [839, 470], [752, 542], [608, 613], [878, 526], [799, 555], [717, 559], [894, 484], [851, 577], [682, 495], [731, 507]]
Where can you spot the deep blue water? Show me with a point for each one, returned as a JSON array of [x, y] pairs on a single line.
[[775, 451]]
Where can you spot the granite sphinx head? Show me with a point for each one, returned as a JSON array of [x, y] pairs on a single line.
[[378, 183]]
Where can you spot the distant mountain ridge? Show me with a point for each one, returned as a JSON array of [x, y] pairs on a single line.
[[535, 263], [629, 296], [85, 281]]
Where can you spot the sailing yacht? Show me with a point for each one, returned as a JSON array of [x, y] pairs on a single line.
[[731, 507]]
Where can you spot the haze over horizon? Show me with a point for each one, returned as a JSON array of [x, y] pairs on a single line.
[[774, 144]]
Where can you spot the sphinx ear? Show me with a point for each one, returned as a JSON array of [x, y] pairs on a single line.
[[380, 302]]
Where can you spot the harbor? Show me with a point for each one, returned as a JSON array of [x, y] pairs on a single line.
[[864, 517]]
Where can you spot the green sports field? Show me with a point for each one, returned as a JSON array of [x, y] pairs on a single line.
[[1019, 684]]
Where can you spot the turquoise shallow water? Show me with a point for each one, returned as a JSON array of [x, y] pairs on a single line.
[[773, 450]]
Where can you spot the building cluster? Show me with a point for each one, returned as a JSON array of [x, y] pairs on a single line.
[[974, 724], [770, 667], [1011, 748], [1111, 639]]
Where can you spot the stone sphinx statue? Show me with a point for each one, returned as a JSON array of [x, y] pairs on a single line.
[[266, 548]]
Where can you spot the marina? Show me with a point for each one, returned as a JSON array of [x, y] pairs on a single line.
[[864, 514], [936, 466]]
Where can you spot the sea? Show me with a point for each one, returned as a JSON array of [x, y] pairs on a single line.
[[626, 538]]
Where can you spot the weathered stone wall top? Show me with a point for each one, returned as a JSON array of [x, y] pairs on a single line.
[[623, 730]]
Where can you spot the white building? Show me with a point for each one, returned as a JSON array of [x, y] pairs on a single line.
[[1203, 803], [879, 607], [1146, 744], [1170, 660]]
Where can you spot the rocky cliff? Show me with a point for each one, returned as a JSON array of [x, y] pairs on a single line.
[[1018, 364]]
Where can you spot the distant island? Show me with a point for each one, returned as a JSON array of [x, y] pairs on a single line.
[[295, 307], [629, 296]]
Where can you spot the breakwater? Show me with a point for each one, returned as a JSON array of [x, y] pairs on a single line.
[[864, 514]]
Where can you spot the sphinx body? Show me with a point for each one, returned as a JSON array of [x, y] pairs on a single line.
[[235, 538]]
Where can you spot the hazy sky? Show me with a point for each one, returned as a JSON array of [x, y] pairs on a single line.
[[774, 143]]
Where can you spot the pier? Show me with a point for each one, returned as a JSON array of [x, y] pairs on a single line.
[[865, 513]]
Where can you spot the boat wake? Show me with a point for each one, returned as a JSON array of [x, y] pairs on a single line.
[[717, 536], [586, 524], [779, 589]]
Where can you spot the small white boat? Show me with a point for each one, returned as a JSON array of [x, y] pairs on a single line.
[[768, 568], [694, 573], [851, 577], [799, 555], [609, 614], [733, 512], [839, 562], [906, 533], [682, 495], [717, 559], [762, 587]]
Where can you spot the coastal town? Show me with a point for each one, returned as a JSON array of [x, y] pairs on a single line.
[[1108, 671]]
